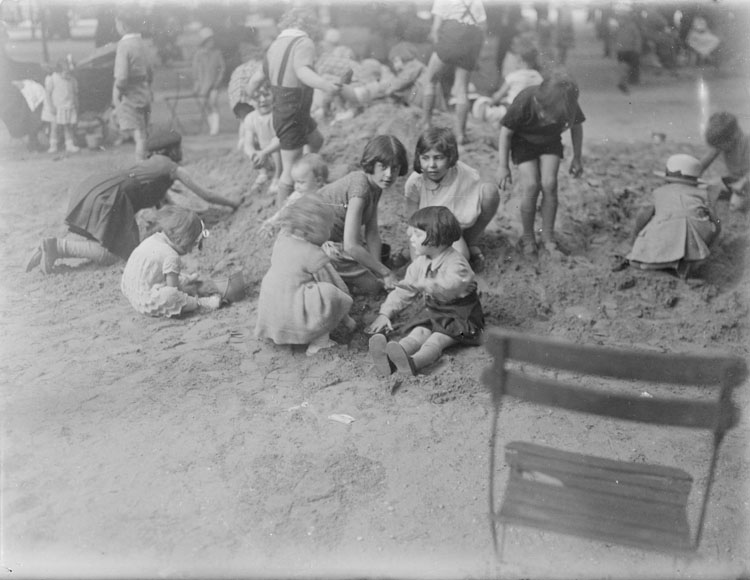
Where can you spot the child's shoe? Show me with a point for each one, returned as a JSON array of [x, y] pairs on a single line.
[[274, 187], [322, 342], [527, 247], [35, 259], [72, 148], [554, 249], [377, 345], [398, 356], [49, 254]]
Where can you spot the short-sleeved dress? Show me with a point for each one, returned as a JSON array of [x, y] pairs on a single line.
[[301, 296], [63, 94], [144, 278], [337, 195], [133, 76], [531, 135], [103, 207], [459, 191], [680, 229]]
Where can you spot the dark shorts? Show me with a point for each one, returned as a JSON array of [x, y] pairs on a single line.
[[291, 116], [462, 319], [459, 44], [522, 150], [631, 57]]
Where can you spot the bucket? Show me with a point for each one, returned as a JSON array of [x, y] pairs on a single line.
[[232, 289], [93, 140]]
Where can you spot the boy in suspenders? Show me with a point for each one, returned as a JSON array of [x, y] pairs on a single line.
[[288, 67]]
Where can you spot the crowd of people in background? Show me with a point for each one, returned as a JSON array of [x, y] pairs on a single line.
[[328, 243]]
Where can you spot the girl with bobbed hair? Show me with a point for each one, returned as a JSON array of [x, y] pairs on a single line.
[[451, 313], [354, 246], [439, 178]]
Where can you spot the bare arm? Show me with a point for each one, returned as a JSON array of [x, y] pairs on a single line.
[[184, 177], [312, 79], [352, 238], [576, 137], [709, 158], [437, 22], [500, 93], [503, 152]]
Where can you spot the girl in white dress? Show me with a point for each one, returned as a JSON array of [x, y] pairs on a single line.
[[62, 104], [153, 280]]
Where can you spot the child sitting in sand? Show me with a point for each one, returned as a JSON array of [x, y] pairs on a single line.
[[493, 109], [452, 313], [257, 139], [309, 173], [439, 178], [675, 232], [302, 298], [153, 281], [724, 136]]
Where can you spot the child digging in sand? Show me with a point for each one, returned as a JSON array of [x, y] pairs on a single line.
[[153, 280], [726, 139], [530, 136], [302, 298], [452, 313]]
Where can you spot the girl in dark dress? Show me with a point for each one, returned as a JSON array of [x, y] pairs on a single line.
[[103, 207]]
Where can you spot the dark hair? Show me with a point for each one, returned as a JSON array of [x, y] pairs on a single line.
[[439, 138], [530, 55], [241, 110], [385, 149], [439, 223], [558, 96], [181, 225], [721, 128]]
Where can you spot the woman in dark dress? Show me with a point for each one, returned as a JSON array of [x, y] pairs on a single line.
[[103, 207]]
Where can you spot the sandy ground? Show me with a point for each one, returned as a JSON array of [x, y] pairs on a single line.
[[134, 446]]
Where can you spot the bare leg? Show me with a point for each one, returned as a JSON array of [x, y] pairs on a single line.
[[432, 349], [549, 166], [139, 136], [490, 200], [460, 89], [530, 186], [435, 68], [286, 183]]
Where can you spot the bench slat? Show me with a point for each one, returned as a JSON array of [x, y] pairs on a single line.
[[593, 472], [596, 516]]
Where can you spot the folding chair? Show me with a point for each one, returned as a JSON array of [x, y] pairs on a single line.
[[181, 94], [636, 504]]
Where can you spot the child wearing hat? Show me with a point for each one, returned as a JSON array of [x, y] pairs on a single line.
[[208, 74], [103, 207], [726, 139], [676, 230]]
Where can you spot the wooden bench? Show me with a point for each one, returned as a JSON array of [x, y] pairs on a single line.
[[637, 504]]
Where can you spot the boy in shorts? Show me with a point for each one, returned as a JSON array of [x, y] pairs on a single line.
[[531, 136], [288, 66]]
